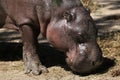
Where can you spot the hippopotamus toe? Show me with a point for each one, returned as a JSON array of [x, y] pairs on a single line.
[[36, 69]]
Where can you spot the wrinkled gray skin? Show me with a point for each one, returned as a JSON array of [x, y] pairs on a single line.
[[65, 23]]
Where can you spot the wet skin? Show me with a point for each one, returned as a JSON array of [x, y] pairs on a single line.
[[66, 24]]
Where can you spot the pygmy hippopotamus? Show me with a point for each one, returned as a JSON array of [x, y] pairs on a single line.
[[66, 24]]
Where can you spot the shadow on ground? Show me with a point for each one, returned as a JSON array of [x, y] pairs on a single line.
[[107, 35], [108, 23], [13, 52], [115, 4]]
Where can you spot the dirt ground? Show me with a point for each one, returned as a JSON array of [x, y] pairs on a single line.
[[107, 18]]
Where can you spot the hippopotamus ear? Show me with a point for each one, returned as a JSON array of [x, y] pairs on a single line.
[[68, 16]]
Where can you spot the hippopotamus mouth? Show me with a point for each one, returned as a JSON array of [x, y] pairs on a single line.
[[81, 61], [83, 68]]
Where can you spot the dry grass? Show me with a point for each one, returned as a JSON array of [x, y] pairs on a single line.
[[89, 4], [110, 43]]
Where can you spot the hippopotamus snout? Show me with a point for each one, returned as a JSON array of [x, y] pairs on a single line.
[[85, 57]]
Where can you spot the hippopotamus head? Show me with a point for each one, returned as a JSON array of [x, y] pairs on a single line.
[[84, 55], [76, 35]]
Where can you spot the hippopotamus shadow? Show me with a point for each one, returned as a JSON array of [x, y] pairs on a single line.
[[10, 51], [107, 63], [49, 56]]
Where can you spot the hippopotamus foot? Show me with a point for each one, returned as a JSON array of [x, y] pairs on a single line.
[[32, 61], [34, 66], [30, 51]]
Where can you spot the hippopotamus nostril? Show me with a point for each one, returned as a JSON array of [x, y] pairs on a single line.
[[96, 63]]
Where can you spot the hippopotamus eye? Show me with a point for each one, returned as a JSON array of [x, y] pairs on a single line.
[[68, 16], [81, 38]]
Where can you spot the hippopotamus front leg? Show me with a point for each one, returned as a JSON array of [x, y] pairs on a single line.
[[30, 51]]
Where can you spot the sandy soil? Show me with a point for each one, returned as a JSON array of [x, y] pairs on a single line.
[[107, 18]]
